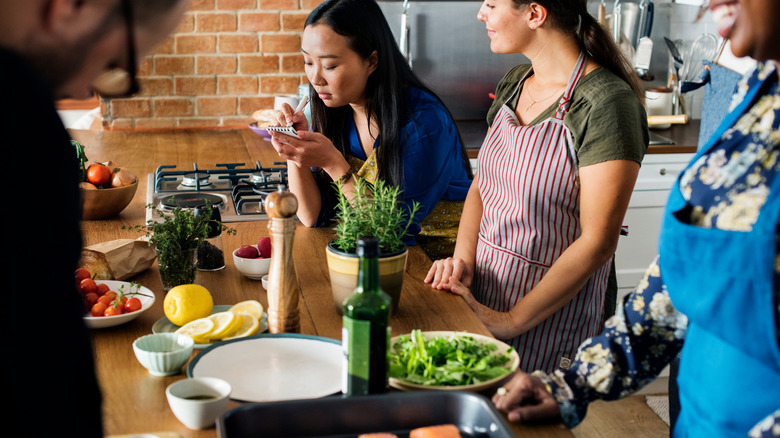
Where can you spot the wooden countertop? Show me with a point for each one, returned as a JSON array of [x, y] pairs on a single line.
[[134, 400]]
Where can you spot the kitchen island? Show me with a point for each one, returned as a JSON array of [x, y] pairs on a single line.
[[134, 401]]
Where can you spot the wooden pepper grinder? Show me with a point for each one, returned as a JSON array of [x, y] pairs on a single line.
[[283, 289]]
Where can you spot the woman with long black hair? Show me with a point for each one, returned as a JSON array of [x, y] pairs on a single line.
[[371, 116]]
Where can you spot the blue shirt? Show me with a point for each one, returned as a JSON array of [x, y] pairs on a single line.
[[433, 166]]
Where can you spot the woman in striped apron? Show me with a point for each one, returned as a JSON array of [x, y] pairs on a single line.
[[554, 177]]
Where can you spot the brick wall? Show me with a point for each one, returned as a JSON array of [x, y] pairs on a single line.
[[226, 59]]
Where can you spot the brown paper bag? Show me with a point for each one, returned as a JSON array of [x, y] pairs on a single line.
[[117, 259]]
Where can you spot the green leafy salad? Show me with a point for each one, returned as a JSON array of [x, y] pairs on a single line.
[[452, 360]]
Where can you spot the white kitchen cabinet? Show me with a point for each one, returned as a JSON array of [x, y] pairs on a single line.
[[637, 250]]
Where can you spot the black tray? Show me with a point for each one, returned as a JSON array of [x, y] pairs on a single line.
[[348, 417]]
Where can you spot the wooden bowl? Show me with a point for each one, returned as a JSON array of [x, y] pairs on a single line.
[[105, 203]]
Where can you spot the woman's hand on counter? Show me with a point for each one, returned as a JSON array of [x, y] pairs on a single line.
[[442, 270], [500, 324]]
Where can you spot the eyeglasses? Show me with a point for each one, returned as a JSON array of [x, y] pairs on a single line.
[[121, 82]]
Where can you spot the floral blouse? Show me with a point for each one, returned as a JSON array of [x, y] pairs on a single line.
[[726, 189]]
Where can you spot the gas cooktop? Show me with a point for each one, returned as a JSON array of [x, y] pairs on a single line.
[[238, 190]]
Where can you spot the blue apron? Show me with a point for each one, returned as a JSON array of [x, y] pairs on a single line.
[[729, 376]]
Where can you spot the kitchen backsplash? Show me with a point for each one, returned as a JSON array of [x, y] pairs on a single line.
[[229, 58], [225, 60]]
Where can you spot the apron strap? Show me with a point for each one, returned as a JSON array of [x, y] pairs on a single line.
[[565, 102]]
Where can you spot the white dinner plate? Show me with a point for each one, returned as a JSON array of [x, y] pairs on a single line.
[[164, 325], [273, 367], [147, 299], [512, 365]]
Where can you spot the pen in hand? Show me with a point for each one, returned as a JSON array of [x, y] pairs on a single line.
[[301, 105]]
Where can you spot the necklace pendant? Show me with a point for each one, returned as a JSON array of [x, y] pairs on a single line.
[[528, 108]]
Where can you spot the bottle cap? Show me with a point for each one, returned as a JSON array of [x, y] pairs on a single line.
[[368, 246]]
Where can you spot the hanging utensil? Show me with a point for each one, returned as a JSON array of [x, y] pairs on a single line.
[[602, 15], [705, 47], [647, 25], [404, 44], [617, 25], [645, 21]]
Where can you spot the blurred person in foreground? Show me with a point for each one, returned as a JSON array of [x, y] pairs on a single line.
[[713, 292], [53, 49]]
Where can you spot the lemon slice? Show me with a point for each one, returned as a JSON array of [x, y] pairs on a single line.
[[250, 306], [225, 324], [249, 326], [198, 330]]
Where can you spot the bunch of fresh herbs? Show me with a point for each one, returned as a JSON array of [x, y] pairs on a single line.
[[178, 234], [453, 360], [372, 211]]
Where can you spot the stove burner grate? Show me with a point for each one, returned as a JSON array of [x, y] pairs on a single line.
[[190, 200]]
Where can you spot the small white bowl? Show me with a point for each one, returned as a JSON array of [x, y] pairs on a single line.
[[197, 402], [252, 268], [163, 354], [265, 281]]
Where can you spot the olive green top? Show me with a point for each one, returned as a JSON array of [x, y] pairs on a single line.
[[606, 120]]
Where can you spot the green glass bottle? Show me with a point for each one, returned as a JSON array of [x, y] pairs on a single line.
[[366, 330]]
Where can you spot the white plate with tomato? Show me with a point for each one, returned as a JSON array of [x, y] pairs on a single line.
[[133, 299]]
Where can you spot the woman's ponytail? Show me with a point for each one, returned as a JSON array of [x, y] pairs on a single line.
[[600, 46], [572, 16]]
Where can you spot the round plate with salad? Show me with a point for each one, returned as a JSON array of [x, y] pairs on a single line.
[[446, 360]]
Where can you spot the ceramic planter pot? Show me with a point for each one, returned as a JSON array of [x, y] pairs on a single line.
[[343, 270]]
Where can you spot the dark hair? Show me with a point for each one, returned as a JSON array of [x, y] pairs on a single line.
[[572, 16], [365, 27]]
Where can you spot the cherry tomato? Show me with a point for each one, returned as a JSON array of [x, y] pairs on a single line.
[[105, 299], [81, 274], [98, 174], [132, 305], [87, 285], [114, 310], [102, 288], [111, 294], [91, 298], [99, 309]]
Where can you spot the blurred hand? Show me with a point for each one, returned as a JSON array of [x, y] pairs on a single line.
[[441, 271], [526, 398]]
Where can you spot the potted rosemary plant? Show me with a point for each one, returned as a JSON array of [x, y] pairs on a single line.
[[176, 240], [372, 211]]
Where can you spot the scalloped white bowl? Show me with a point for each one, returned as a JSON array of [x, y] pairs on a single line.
[[163, 354]]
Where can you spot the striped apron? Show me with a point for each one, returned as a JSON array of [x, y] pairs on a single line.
[[530, 191]]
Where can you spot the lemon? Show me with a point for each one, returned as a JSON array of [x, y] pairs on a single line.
[[250, 306], [186, 303], [225, 324], [249, 326], [198, 330]]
